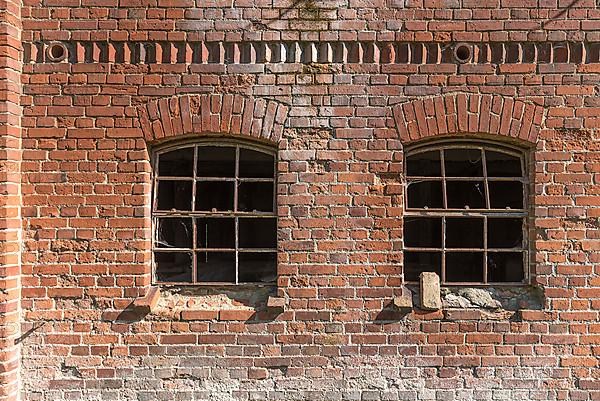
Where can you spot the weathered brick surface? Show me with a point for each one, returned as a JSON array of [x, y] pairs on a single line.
[[10, 198], [360, 79]]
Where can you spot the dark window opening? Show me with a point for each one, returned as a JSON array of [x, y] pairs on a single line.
[[466, 214], [463, 163], [174, 195], [215, 222], [502, 165], [425, 164], [173, 267], [424, 232], [255, 164], [463, 232], [258, 267], [465, 194], [258, 233], [505, 267], [174, 233], [505, 233], [216, 161], [506, 195], [216, 267], [214, 196], [216, 233], [425, 194], [255, 197], [416, 263], [464, 267], [177, 164]]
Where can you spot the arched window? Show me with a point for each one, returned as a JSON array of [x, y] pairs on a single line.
[[214, 214], [466, 213]]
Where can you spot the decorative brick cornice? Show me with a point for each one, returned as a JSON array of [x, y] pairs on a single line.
[[465, 113], [306, 52], [229, 114]]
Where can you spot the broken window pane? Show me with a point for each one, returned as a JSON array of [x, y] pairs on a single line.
[[173, 267], [506, 194], [464, 267], [255, 196], [462, 232], [174, 233], [505, 233], [502, 164], [215, 196], [425, 164], [423, 232], [174, 195], [505, 267], [216, 161], [178, 163], [258, 233], [416, 263], [257, 267], [465, 194], [463, 163], [255, 164], [216, 233], [215, 267], [423, 194]]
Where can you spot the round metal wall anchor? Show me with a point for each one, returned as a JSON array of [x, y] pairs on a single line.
[[463, 52], [56, 52]]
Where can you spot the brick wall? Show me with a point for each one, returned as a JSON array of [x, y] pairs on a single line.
[[339, 87], [10, 197]]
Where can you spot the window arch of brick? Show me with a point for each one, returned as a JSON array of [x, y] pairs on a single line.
[[464, 113], [210, 114]]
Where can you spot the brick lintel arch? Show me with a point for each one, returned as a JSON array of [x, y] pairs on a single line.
[[230, 114], [466, 113]]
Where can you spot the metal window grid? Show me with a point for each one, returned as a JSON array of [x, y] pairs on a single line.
[[194, 215], [484, 213]]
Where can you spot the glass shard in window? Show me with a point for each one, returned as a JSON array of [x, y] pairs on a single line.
[[506, 194], [423, 232], [425, 164], [464, 267], [215, 233], [505, 233], [255, 164], [505, 267], [214, 196], [258, 233], [425, 194], [255, 196], [257, 267], [178, 163], [502, 165], [174, 233], [463, 163], [416, 263], [215, 267], [173, 267], [216, 161], [465, 194], [463, 232], [174, 195]]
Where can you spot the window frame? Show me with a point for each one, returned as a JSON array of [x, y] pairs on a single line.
[[525, 157], [237, 144]]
